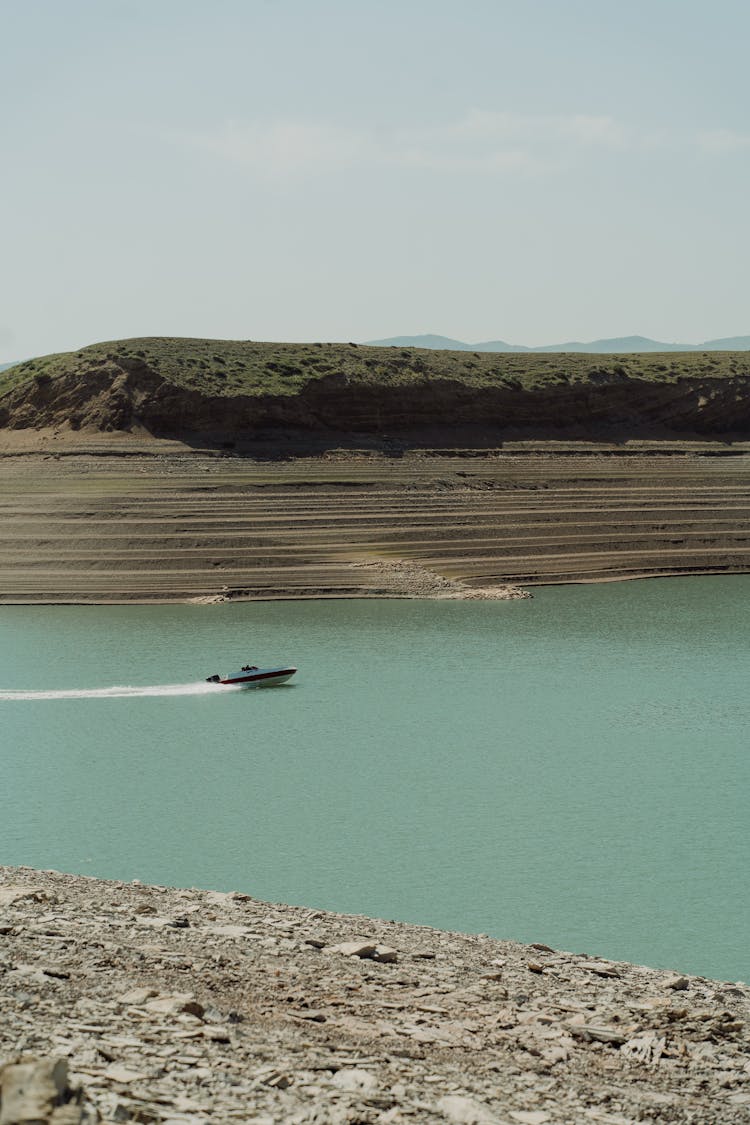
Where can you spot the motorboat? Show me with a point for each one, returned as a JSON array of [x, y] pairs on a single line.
[[253, 676]]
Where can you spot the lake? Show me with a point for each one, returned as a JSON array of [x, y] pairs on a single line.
[[572, 769]]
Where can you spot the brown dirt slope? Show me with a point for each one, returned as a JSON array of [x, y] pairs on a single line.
[[96, 527], [297, 397], [196, 1007]]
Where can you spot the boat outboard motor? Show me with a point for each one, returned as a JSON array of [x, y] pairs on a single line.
[[212, 680]]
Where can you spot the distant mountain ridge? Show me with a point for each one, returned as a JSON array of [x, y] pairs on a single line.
[[616, 345]]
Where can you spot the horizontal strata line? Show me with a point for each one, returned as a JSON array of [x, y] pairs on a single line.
[[718, 524], [386, 474], [604, 574], [159, 493], [434, 487], [430, 491], [353, 551], [432, 563], [228, 572], [388, 478], [133, 552], [448, 498], [486, 501], [55, 517], [370, 538], [582, 556], [123, 529]]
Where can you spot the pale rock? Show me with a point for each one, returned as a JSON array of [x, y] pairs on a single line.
[[117, 1073], [677, 983], [278, 1080], [592, 1033], [186, 1105], [137, 996], [179, 1002], [647, 1048], [157, 922], [230, 931], [10, 895], [356, 1081], [30, 1090], [556, 1054], [658, 1097], [221, 898], [365, 949], [466, 1111], [601, 969], [32, 974], [385, 954], [530, 1116]]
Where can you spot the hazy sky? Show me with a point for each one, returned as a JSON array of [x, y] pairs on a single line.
[[528, 170]]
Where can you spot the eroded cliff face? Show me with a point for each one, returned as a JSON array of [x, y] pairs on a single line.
[[123, 394]]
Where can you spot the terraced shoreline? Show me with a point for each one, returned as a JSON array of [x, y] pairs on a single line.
[[113, 519]]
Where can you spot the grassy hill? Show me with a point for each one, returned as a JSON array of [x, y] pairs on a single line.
[[230, 389], [247, 367]]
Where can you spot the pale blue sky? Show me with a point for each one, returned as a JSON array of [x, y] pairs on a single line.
[[534, 170]]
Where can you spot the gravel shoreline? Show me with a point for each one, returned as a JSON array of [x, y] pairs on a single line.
[[188, 1006]]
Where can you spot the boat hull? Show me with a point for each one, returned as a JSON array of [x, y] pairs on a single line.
[[258, 677]]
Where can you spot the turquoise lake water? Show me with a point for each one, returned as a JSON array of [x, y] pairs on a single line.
[[572, 769]]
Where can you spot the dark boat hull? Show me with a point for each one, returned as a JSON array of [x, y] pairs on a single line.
[[254, 677]]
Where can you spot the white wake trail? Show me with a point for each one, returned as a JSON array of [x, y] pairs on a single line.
[[199, 688]]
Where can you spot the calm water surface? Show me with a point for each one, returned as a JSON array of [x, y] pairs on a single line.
[[572, 770]]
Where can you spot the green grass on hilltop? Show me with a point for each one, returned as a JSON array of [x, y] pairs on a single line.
[[235, 367]]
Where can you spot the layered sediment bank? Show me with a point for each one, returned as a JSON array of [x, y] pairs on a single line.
[[196, 1006], [96, 518]]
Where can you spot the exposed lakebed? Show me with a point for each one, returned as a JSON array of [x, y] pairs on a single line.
[[571, 770]]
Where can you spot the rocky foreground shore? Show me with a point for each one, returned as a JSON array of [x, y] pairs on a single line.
[[121, 1002]]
